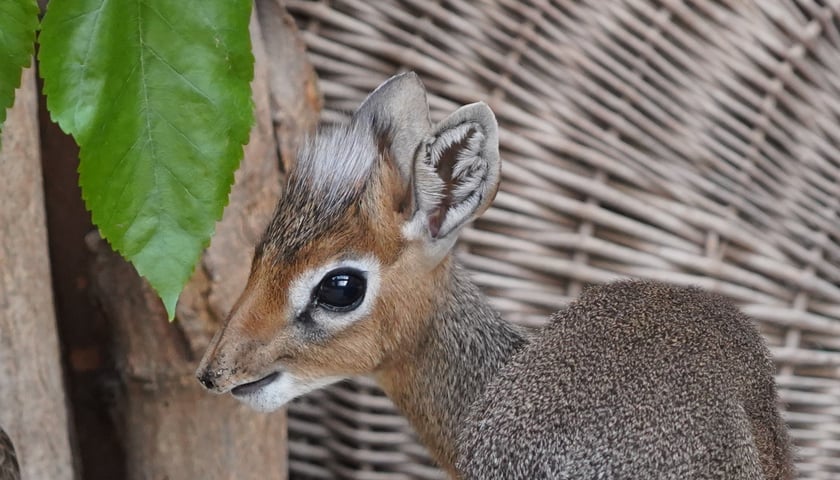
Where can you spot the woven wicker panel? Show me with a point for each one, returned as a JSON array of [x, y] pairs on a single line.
[[691, 142]]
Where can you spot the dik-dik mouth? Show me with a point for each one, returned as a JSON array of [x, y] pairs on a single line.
[[255, 386]]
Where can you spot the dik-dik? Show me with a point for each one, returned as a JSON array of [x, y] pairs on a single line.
[[355, 275]]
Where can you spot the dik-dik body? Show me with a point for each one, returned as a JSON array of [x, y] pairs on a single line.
[[355, 275]]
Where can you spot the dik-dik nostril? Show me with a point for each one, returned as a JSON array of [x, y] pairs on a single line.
[[207, 378]]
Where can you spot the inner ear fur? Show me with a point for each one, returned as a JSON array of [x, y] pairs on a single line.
[[457, 173]]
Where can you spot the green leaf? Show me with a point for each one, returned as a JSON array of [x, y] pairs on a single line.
[[18, 24], [157, 95]]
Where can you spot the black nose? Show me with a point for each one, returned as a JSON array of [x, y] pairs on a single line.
[[207, 379]]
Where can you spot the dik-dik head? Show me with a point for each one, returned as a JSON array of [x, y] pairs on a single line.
[[352, 264]]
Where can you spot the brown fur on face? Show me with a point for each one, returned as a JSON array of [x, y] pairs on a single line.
[[262, 332]]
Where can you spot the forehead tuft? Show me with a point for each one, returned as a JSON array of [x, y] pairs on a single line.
[[331, 174], [338, 161]]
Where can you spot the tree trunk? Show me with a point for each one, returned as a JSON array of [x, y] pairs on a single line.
[[171, 427], [32, 399], [295, 99]]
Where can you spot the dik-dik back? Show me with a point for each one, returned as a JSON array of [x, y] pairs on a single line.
[[633, 380]]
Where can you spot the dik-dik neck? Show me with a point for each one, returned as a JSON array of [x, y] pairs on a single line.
[[459, 350]]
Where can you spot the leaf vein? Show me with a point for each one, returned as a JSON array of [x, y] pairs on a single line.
[[87, 54], [145, 91], [111, 175], [163, 18], [182, 184], [83, 14], [182, 77], [113, 100], [182, 134]]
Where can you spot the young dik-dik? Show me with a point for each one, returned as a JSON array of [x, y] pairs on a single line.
[[355, 276]]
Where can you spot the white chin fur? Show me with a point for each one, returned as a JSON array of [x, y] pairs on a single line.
[[283, 390]]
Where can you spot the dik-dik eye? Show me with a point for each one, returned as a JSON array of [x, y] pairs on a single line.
[[341, 290]]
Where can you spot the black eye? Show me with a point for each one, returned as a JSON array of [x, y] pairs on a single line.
[[341, 290]]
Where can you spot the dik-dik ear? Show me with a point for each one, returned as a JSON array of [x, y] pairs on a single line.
[[398, 114], [456, 174]]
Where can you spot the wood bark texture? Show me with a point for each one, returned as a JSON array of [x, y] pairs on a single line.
[[171, 427], [296, 100], [32, 399]]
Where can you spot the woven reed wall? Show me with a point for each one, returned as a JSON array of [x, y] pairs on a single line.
[[691, 142]]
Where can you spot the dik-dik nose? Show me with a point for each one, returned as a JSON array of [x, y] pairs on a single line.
[[206, 378], [213, 372]]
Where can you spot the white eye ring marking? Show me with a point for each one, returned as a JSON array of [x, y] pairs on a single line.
[[300, 292]]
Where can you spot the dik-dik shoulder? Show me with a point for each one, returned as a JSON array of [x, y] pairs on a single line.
[[609, 388]]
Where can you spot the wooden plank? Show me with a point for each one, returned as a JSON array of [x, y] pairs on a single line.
[[32, 398], [170, 426]]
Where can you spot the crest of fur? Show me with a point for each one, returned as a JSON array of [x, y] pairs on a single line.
[[331, 175]]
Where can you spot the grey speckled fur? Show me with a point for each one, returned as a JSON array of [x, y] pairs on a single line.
[[634, 380], [465, 346]]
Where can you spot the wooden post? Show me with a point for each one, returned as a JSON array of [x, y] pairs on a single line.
[[171, 427], [32, 399]]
